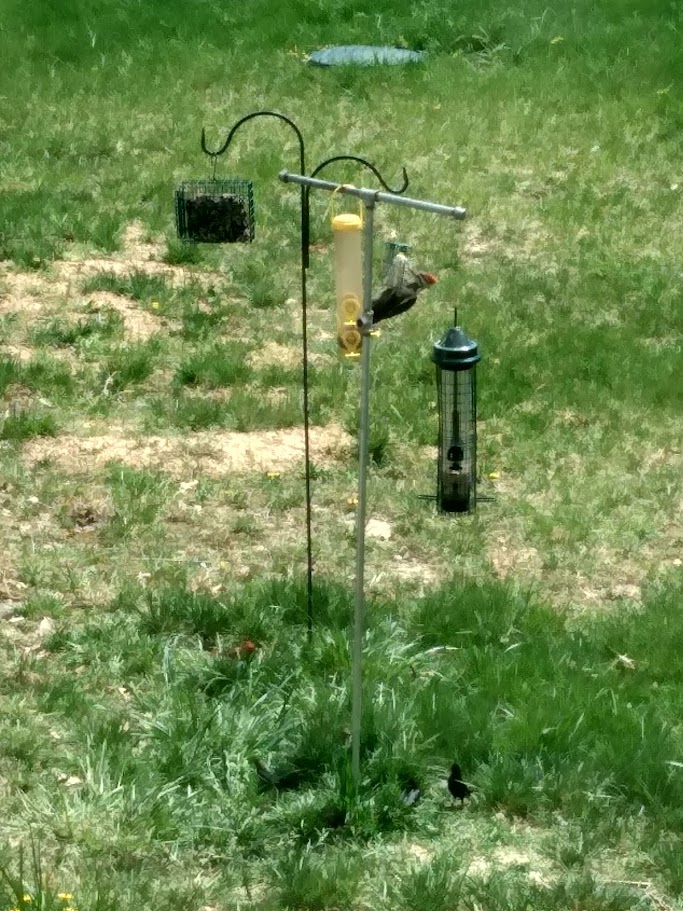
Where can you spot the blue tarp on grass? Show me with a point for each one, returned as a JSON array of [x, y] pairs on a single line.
[[364, 55]]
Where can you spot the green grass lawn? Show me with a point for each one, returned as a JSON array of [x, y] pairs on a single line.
[[151, 478]]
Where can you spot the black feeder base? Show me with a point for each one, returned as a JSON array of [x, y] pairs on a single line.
[[456, 498], [215, 211]]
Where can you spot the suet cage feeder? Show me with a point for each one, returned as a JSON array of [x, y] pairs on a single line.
[[456, 357], [348, 275], [215, 211]]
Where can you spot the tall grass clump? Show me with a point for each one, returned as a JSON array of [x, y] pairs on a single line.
[[216, 365]]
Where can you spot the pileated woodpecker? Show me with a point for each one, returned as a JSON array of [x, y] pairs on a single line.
[[395, 300]]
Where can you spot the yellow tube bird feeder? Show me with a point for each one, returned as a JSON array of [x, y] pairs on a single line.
[[348, 270]]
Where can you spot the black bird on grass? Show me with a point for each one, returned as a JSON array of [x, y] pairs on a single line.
[[286, 779], [459, 790]]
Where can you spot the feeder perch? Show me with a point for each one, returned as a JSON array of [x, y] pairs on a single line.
[[348, 262], [215, 211], [456, 356]]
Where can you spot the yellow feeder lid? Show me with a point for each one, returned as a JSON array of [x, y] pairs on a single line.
[[347, 222]]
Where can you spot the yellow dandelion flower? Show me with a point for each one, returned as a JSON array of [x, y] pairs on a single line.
[[27, 898], [272, 474], [65, 896], [352, 502], [494, 475], [155, 305]]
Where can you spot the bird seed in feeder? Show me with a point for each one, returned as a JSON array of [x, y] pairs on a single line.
[[217, 219], [215, 211]]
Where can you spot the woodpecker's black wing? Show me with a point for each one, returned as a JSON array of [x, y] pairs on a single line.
[[393, 301]]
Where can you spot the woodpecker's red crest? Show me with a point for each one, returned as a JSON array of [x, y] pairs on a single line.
[[421, 280]]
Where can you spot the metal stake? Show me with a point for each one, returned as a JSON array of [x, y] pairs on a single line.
[[369, 199], [363, 434]]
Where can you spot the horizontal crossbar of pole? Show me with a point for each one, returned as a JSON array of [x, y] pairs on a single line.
[[370, 196]]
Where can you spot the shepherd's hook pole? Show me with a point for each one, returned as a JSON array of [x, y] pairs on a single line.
[[363, 433], [305, 255]]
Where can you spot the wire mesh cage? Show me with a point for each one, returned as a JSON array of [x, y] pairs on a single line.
[[456, 357], [215, 211], [395, 262]]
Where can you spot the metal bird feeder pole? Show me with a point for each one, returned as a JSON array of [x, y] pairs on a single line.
[[363, 449], [369, 199]]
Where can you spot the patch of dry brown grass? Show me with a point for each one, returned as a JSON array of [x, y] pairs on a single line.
[[213, 453]]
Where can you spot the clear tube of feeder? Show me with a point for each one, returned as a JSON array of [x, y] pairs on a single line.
[[348, 273], [395, 263]]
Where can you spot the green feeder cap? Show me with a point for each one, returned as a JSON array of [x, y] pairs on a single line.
[[455, 351]]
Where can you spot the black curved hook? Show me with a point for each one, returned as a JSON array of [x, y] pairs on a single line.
[[251, 116], [305, 230], [365, 164]]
